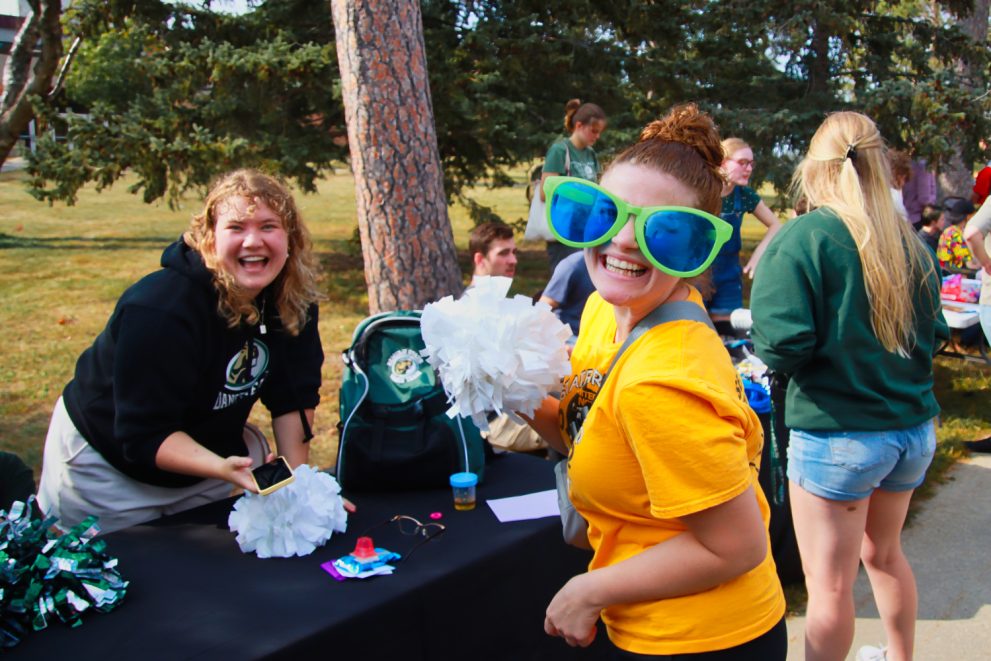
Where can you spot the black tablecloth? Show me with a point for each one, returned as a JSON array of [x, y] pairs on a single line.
[[478, 591]]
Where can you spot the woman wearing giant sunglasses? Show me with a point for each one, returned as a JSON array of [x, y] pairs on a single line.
[[663, 452]]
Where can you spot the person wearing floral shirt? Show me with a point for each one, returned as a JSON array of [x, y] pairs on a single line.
[[952, 250]]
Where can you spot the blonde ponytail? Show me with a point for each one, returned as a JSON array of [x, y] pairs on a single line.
[[846, 170]]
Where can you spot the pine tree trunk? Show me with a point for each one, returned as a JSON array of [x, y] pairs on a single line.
[[406, 237], [956, 177]]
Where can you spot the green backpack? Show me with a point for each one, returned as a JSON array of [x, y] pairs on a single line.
[[394, 430]]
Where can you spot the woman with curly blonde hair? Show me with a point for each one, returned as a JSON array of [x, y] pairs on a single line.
[[846, 301], [155, 419]]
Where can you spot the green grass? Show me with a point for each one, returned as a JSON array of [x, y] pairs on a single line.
[[62, 269]]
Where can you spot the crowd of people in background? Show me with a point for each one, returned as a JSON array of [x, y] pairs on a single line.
[[676, 520]]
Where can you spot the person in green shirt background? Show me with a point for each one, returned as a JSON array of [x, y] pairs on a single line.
[[573, 157], [846, 301]]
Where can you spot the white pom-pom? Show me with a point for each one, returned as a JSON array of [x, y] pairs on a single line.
[[495, 353], [294, 520]]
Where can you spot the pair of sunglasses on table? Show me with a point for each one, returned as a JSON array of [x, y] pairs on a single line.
[[680, 241], [410, 527]]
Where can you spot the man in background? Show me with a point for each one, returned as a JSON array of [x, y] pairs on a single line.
[[493, 253], [493, 249]]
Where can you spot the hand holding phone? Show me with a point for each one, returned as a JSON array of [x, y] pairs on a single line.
[[272, 475]]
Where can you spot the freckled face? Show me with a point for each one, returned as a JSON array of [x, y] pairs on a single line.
[[251, 243], [621, 273]]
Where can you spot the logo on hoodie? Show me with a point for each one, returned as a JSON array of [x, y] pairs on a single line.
[[245, 374]]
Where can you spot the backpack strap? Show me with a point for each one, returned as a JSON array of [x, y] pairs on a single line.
[[674, 311]]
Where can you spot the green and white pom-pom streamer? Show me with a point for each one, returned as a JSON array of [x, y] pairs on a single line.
[[46, 576]]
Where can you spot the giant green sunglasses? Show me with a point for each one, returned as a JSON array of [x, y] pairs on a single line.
[[680, 241]]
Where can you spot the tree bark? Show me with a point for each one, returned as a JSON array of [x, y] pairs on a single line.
[[21, 81], [406, 237], [956, 177]]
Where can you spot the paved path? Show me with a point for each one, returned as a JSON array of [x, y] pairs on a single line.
[[949, 546]]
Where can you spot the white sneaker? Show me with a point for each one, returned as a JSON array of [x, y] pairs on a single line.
[[871, 653]]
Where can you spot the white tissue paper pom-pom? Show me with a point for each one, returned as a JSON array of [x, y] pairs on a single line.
[[293, 520], [495, 353]]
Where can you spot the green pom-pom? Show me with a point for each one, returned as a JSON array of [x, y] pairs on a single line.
[[46, 576]]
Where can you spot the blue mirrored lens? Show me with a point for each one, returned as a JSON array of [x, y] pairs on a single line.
[[679, 240], [581, 213]]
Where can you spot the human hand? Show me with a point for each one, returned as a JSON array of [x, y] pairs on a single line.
[[750, 268], [237, 471], [349, 506], [570, 615]]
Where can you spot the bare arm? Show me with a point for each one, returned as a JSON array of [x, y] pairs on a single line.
[[975, 241], [544, 422], [550, 301], [770, 220], [720, 543], [289, 435], [180, 453]]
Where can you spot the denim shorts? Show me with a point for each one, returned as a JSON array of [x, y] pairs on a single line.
[[850, 465]]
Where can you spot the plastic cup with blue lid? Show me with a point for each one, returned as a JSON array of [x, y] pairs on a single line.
[[463, 485]]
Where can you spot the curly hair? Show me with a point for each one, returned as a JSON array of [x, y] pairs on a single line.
[[685, 145], [295, 287]]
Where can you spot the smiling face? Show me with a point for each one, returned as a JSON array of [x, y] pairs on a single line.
[[251, 243], [622, 275], [739, 166]]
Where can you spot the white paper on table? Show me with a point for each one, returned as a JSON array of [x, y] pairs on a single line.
[[529, 506]]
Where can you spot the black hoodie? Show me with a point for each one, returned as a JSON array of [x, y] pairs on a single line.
[[168, 362]]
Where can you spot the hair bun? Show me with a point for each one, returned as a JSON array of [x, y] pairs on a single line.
[[687, 125]]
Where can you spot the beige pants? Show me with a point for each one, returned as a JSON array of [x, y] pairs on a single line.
[[508, 435], [76, 482]]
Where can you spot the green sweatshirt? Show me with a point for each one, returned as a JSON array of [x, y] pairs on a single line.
[[812, 320]]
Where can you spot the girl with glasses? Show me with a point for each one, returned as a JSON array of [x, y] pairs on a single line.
[[846, 301], [663, 448], [737, 199]]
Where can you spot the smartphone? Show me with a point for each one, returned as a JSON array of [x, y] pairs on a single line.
[[273, 475]]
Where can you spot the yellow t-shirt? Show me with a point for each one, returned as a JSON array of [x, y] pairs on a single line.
[[670, 434]]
